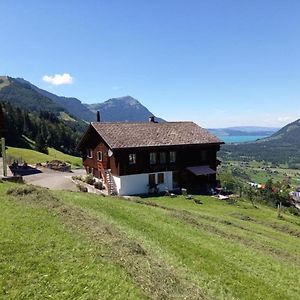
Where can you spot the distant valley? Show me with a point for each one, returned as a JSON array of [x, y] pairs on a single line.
[[283, 146]]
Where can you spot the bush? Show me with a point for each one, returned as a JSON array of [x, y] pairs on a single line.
[[98, 185], [82, 188], [293, 210], [89, 179]]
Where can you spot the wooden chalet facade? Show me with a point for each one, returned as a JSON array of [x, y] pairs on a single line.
[[138, 158]]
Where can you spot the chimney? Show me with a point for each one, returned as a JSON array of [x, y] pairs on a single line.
[[98, 116], [152, 119]]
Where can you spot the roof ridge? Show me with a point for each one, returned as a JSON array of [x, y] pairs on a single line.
[[146, 122]]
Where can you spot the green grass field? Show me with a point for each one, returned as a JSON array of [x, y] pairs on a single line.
[[67, 245], [257, 173], [32, 157]]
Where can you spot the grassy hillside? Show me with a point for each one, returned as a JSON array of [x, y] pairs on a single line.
[[42, 259], [32, 157], [91, 247]]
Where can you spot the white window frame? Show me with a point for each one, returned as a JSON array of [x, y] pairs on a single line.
[[101, 155], [89, 153]]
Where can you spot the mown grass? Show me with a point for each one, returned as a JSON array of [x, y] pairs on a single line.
[[40, 258], [32, 157], [230, 251], [159, 248]]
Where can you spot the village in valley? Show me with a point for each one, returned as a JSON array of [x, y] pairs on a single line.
[[180, 181]]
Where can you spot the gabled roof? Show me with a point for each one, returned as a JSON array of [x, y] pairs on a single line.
[[132, 135]]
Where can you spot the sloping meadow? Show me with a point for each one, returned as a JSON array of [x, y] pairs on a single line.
[[72, 245]]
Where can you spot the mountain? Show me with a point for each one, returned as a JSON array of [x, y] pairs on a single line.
[[289, 134], [244, 131], [123, 109], [72, 105], [23, 95], [281, 147]]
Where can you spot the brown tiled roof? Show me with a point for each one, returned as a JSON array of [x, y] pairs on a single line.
[[131, 135]]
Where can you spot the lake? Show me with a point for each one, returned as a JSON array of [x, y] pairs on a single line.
[[240, 138]]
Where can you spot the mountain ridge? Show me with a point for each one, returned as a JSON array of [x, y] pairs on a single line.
[[281, 147], [122, 109], [23, 93]]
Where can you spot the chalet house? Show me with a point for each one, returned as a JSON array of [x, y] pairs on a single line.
[[138, 158]]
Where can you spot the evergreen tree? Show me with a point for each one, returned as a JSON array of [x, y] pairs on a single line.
[[40, 144]]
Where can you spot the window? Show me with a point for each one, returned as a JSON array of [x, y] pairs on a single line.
[[172, 156], [151, 179], [99, 155], [162, 157], [203, 155], [89, 153], [132, 158], [152, 158], [160, 178]]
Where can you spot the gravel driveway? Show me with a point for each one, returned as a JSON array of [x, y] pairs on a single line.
[[54, 180]]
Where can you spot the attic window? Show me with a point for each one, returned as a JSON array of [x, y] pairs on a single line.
[[132, 158], [89, 153]]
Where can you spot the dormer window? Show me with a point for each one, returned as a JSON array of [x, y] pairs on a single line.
[[89, 153], [132, 158]]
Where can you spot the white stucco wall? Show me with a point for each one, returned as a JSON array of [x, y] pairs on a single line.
[[138, 184]]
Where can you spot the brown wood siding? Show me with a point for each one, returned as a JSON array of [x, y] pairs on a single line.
[[185, 156], [95, 143]]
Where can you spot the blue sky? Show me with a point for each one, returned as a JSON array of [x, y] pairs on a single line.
[[218, 63]]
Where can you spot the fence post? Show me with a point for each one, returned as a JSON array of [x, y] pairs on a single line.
[[4, 157]]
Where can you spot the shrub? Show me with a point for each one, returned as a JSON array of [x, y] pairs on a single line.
[[89, 179], [98, 185], [293, 210], [82, 188]]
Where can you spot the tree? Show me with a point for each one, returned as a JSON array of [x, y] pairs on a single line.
[[40, 144]]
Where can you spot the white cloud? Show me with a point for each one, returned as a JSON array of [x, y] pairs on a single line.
[[284, 118], [59, 79]]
